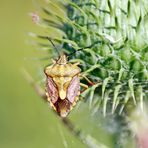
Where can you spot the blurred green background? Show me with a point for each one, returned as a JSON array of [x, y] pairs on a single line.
[[25, 120]]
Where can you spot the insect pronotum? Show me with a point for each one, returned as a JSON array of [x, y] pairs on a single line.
[[63, 85]]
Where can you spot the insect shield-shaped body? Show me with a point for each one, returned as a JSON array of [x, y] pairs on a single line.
[[63, 85]]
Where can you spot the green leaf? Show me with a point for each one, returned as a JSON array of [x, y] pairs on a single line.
[[92, 94], [105, 82], [115, 98], [127, 96], [105, 100], [131, 87]]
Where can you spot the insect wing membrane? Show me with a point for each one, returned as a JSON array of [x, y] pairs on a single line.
[[52, 90], [73, 89]]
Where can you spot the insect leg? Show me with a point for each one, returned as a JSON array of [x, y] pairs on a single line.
[[89, 81], [76, 64], [53, 61], [84, 86]]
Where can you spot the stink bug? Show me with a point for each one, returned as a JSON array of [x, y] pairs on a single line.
[[63, 85]]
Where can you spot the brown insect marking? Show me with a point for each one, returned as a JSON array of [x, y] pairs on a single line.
[[73, 89], [63, 107], [52, 90]]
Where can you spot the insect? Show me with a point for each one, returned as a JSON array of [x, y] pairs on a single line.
[[63, 85]]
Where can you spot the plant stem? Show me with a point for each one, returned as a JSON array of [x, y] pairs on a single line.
[[88, 140]]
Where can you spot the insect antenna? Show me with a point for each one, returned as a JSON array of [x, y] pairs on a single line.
[[49, 39], [80, 49]]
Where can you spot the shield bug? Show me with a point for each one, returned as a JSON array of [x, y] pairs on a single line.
[[63, 84]]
